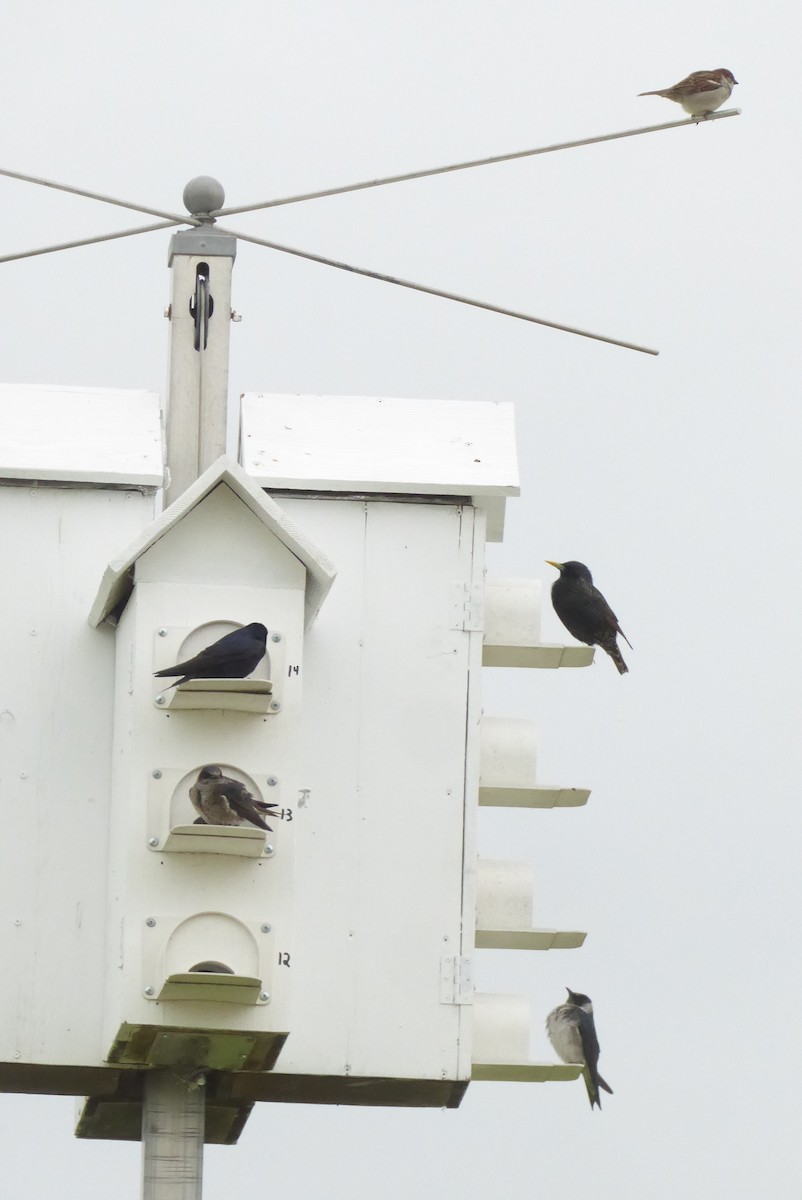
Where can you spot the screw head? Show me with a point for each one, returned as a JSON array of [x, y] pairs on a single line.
[[150, 922], [156, 774], [162, 632], [274, 705], [161, 700], [265, 928], [153, 842], [272, 780], [275, 637], [270, 849], [149, 991], [264, 997]]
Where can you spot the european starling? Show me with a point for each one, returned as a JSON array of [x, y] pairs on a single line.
[[231, 657], [572, 1033], [584, 611], [221, 800]]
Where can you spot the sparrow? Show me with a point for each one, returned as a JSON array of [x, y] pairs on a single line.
[[231, 657], [221, 800], [701, 93], [572, 1033], [584, 611]]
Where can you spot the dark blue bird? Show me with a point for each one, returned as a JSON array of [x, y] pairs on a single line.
[[584, 611], [231, 657], [572, 1033]]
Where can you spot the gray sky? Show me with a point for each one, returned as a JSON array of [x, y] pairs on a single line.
[[674, 478]]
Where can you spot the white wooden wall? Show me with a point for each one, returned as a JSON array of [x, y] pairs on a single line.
[[55, 765], [387, 779]]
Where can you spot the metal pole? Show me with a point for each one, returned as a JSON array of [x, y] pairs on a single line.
[[173, 1115], [202, 261]]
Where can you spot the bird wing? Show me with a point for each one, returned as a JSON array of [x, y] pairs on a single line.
[[607, 613], [694, 84], [241, 801], [590, 1043], [229, 652], [195, 797], [700, 81]]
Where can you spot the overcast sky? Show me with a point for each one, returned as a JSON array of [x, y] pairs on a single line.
[[675, 478]]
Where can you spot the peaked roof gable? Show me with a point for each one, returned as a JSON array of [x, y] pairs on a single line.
[[118, 578]]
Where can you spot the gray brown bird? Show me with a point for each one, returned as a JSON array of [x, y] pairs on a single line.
[[221, 800], [584, 611], [232, 656], [701, 92], [572, 1033]]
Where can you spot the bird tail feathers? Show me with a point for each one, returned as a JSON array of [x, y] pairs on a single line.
[[593, 1088], [615, 654]]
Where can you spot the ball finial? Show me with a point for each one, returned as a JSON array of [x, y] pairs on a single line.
[[203, 195]]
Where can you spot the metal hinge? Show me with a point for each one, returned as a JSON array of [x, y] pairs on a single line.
[[469, 607], [456, 979]]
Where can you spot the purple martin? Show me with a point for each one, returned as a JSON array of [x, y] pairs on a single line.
[[584, 611], [231, 657], [572, 1033], [221, 800]]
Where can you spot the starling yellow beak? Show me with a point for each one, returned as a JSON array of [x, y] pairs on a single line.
[[584, 611]]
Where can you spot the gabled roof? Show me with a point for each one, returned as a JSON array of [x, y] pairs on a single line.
[[118, 578], [384, 444], [98, 436]]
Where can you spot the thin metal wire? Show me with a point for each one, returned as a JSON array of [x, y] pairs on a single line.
[[430, 291], [91, 241], [173, 218], [464, 166]]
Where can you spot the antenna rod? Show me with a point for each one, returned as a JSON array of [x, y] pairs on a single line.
[[430, 291], [173, 218], [88, 241], [476, 162]]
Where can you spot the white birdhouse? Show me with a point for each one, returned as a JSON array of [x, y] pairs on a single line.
[[201, 911], [328, 959]]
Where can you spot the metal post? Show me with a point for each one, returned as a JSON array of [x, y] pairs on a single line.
[[173, 1115], [200, 316]]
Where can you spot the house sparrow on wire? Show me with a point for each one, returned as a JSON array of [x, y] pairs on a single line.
[[701, 93]]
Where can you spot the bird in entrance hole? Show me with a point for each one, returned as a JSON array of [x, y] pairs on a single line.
[[220, 800], [584, 611], [572, 1033], [231, 657]]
